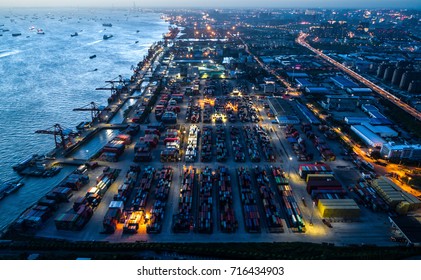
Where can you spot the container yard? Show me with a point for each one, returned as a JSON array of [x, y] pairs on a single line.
[[205, 162]]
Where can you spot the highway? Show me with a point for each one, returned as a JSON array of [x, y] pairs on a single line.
[[410, 110]]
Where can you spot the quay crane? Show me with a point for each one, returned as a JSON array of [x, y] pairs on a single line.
[[95, 110], [63, 137]]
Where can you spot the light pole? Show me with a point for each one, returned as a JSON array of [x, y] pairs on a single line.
[[312, 212], [289, 167]]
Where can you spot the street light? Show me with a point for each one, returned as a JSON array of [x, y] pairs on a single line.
[[312, 211]]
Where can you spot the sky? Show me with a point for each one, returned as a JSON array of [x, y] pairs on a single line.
[[410, 4]]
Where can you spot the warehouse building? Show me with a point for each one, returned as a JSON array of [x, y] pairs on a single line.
[[339, 208], [408, 152], [340, 102], [381, 130], [317, 90], [303, 82], [409, 227], [343, 82], [369, 137], [356, 120], [359, 91], [285, 120]]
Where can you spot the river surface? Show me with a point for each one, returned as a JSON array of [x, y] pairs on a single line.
[[43, 77]]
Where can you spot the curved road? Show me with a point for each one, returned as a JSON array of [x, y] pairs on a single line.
[[410, 110]]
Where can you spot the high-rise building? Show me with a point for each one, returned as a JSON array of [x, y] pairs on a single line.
[[408, 77]]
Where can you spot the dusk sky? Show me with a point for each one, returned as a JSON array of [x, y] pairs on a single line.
[[217, 3]]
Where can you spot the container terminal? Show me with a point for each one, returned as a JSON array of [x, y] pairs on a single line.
[[197, 154]]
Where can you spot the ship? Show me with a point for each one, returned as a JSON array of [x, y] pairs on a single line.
[[40, 31], [92, 56], [16, 34], [107, 24], [74, 34], [106, 37]]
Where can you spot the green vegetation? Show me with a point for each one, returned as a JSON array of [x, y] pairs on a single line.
[[59, 249]]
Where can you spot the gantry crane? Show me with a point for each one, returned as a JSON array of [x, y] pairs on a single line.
[[63, 137], [95, 110]]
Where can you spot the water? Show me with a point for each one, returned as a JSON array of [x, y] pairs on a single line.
[[43, 77]]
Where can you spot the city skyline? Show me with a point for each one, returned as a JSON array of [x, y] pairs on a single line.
[[410, 4]]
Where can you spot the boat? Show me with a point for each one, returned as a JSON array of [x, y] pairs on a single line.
[[92, 56], [10, 187], [107, 24], [40, 31], [74, 34], [14, 187], [16, 34], [32, 28], [106, 37]]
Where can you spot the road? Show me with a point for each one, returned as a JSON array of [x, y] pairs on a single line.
[[387, 95]]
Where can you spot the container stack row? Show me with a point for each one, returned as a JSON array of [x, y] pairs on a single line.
[[115, 148], [250, 209], [292, 210], [236, 143], [172, 144], [252, 143], [116, 207], [221, 145], [192, 138], [143, 148], [156, 216], [227, 221], [267, 149], [271, 206], [141, 191], [204, 219], [183, 219], [206, 152]]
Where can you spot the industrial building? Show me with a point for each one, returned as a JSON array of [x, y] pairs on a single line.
[[343, 82], [297, 75], [335, 208], [303, 82], [340, 102], [407, 152], [356, 120], [381, 130], [409, 227], [317, 90], [285, 120], [369, 137], [357, 91]]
